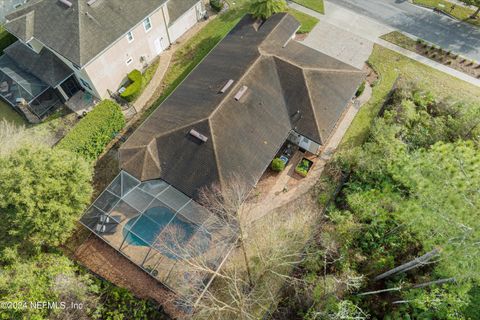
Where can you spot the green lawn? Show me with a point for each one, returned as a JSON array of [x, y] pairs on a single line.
[[459, 12], [308, 22], [400, 40], [7, 113], [6, 39], [316, 5], [389, 65]]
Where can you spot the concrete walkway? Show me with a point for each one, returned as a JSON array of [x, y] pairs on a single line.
[[368, 29], [154, 84]]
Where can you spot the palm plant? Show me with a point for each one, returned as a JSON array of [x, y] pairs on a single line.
[[263, 9]]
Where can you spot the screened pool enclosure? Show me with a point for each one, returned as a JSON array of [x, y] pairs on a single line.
[[161, 230]]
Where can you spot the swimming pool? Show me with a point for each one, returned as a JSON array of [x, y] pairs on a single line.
[[168, 233]]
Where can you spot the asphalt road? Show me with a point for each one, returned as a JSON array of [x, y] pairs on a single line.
[[450, 34]]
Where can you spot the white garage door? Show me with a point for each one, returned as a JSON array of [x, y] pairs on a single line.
[[185, 22]]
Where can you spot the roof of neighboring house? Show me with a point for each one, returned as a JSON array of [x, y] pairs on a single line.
[[177, 8], [290, 87], [82, 31], [46, 66]]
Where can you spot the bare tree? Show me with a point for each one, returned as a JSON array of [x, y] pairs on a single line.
[[248, 284], [13, 136], [228, 202]]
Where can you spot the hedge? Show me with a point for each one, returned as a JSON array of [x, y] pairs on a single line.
[[91, 135], [135, 87], [217, 5], [360, 90]]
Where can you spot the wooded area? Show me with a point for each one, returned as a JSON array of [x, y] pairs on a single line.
[[401, 239]]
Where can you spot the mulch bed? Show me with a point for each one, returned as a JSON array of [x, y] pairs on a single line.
[[449, 59], [106, 262]]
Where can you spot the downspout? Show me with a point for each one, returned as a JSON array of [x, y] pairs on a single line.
[[165, 22]]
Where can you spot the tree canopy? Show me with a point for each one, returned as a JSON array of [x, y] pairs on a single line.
[[475, 3], [264, 9], [44, 191]]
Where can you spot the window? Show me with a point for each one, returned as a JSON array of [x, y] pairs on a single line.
[[85, 84], [130, 36], [129, 60], [147, 24]]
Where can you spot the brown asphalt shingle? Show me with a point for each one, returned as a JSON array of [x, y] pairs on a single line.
[[290, 87]]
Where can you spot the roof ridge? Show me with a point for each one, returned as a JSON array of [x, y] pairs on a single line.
[[178, 128], [327, 70], [314, 110], [310, 99], [215, 153]]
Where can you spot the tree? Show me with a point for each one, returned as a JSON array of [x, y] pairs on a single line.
[[46, 278], [13, 137], [264, 9], [43, 192], [475, 3], [247, 282], [228, 202]]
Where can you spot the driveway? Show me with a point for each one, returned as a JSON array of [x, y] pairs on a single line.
[[342, 34], [343, 45], [447, 33]]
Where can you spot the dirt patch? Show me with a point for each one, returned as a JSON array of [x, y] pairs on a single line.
[[106, 169], [103, 260], [372, 76], [301, 36]]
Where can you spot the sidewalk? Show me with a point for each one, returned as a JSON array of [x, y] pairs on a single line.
[[370, 30], [154, 84]]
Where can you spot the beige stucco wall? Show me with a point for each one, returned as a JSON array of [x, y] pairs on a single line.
[[109, 70]]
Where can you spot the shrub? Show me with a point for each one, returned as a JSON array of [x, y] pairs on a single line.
[[217, 5], [43, 192], [277, 165], [360, 90], [135, 87], [90, 136], [303, 167]]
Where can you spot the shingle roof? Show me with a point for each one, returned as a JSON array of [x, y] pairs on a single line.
[[45, 65], [178, 7], [80, 32], [290, 87]]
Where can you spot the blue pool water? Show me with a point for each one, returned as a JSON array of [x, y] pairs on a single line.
[[174, 242]]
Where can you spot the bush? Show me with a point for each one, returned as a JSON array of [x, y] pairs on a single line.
[[303, 167], [217, 5], [135, 87], [277, 165], [360, 90], [90, 136], [43, 191]]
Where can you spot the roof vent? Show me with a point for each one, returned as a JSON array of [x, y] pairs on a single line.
[[198, 135], [90, 2], [241, 92], [226, 86], [66, 2]]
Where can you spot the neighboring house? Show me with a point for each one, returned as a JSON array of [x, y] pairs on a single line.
[[7, 6], [255, 90], [100, 41]]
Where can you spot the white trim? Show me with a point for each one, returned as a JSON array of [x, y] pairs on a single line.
[[149, 21], [130, 35]]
